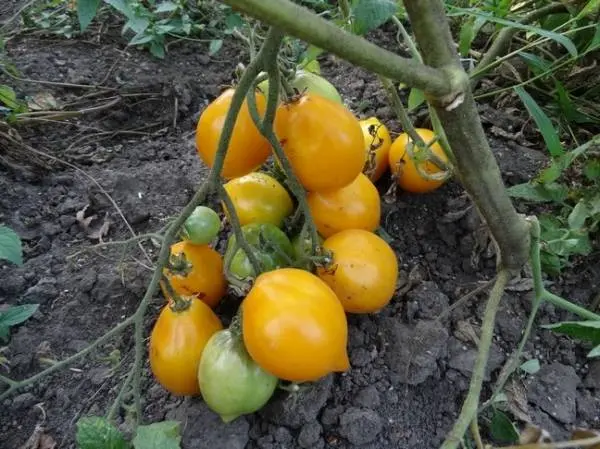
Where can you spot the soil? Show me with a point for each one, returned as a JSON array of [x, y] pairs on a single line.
[[410, 363]]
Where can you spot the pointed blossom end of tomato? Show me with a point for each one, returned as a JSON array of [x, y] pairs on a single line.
[[343, 363], [228, 418]]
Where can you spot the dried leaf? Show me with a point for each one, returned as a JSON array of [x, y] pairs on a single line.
[[39, 440], [517, 400], [520, 285], [583, 434], [42, 101], [100, 232], [533, 434], [97, 231]]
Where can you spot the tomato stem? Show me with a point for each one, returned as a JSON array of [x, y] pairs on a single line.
[[176, 302]]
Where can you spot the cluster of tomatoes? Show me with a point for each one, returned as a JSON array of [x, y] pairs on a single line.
[[291, 324]]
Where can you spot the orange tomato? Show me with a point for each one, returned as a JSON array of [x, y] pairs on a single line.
[[205, 278], [259, 198], [247, 150], [364, 271], [176, 344], [322, 140], [377, 146], [294, 326], [355, 206], [405, 169]]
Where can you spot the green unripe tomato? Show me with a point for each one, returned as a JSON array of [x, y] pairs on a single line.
[[316, 84], [202, 226], [231, 383]]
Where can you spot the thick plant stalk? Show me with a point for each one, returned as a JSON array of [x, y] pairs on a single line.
[[479, 171], [299, 22]]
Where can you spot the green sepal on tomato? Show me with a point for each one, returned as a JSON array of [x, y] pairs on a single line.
[[273, 249], [202, 226], [231, 383]]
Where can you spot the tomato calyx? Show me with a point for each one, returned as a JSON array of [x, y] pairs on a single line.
[[178, 265], [177, 303], [421, 153]]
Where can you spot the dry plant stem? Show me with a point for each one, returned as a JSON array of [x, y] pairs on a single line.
[[477, 167], [301, 23], [469, 408], [586, 442], [502, 42]]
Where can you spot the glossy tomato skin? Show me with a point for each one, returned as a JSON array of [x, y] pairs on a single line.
[[231, 383], [364, 270], [272, 248], [259, 198], [403, 166], [377, 145], [322, 140], [205, 280], [355, 206], [294, 326], [202, 226], [176, 345], [248, 149]]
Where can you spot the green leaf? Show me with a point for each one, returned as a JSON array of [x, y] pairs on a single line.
[[590, 8], [541, 193], [594, 352], [17, 314], [537, 64], [214, 46], [160, 435], [578, 215], [531, 366], [157, 48], [416, 98], [502, 428], [94, 432], [370, 14], [8, 97], [10, 246], [468, 31], [560, 38], [166, 7], [86, 11], [543, 122], [141, 38], [582, 330]]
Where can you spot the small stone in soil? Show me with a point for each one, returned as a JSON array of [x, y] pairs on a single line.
[[413, 351], [24, 400], [592, 379], [554, 390], [368, 397], [43, 291], [430, 300], [360, 426], [310, 434], [463, 359]]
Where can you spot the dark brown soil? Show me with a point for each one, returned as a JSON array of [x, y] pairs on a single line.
[[409, 370]]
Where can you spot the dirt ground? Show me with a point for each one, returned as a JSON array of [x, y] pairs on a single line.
[[410, 363]]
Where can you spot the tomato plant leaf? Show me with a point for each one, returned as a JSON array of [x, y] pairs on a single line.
[[8, 97], [583, 330], [591, 7], [578, 215], [542, 121], [369, 14], [159, 435], [539, 192], [94, 432], [10, 246], [214, 46], [15, 315], [86, 11], [416, 97], [166, 7], [594, 352], [502, 428], [531, 366]]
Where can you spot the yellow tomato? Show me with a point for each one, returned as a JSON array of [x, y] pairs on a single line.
[[294, 326], [247, 150], [377, 146], [355, 206], [404, 167], [322, 140], [199, 272], [364, 271], [176, 344], [259, 198]]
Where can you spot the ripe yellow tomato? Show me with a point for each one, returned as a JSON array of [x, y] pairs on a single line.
[[322, 140], [294, 326], [377, 146], [247, 150], [176, 344], [204, 279], [364, 271], [404, 168], [355, 206], [259, 198]]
